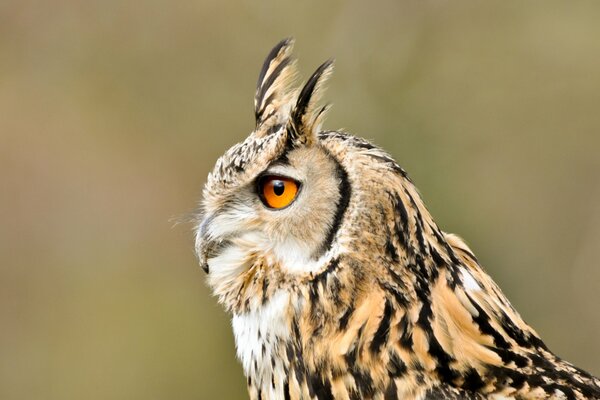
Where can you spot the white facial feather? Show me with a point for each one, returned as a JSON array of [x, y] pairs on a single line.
[[230, 222], [290, 254], [227, 265]]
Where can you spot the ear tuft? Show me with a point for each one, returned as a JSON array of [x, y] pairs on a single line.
[[274, 90], [306, 116]]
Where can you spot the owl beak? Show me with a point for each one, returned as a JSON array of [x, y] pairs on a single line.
[[208, 247], [203, 259], [203, 243]]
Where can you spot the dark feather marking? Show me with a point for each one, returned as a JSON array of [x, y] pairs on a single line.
[[345, 192], [265, 285], [550, 370], [335, 288], [418, 224], [386, 160], [354, 395], [508, 356], [513, 378], [261, 85], [519, 336], [419, 232], [391, 392], [398, 294], [306, 94], [315, 308], [425, 315], [343, 136], [401, 211], [295, 355], [414, 205], [483, 320], [442, 241], [345, 318], [273, 129], [315, 305], [551, 387], [272, 55], [391, 250], [364, 145], [263, 89], [435, 349], [382, 333], [401, 230], [437, 257], [443, 368], [364, 382], [320, 387], [470, 255], [322, 111], [397, 278], [473, 381], [286, 390], [406, 337], [351, 356], [396, 367], [321, 277]]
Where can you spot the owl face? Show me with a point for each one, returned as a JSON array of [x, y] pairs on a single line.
[[286, 206], [275, 200]]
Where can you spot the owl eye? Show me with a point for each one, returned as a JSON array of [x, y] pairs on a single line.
[[277, 191]]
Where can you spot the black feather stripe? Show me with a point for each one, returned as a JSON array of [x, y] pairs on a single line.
[[264, 82], [286, 390], [391, 392], [307, 93], [345, 192], [266, 85], [381, 335], [270, 57]]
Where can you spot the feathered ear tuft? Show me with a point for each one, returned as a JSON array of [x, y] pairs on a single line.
[[306, 116], [274, 90]]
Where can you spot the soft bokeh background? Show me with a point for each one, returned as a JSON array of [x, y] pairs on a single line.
[[113, 112]]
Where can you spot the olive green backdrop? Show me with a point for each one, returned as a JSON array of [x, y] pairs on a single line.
[[113, 112]]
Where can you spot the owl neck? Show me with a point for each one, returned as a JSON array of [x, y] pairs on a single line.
[[261, 336]]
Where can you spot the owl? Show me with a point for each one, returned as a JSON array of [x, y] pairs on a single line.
[[339, 282]]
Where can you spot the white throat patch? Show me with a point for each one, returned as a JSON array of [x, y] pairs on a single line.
[[258, 331]]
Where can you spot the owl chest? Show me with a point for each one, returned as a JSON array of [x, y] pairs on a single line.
[[261, 336]]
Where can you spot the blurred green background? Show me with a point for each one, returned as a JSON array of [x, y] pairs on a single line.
[[113, 112]]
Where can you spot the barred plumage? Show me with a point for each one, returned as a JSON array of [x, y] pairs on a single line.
[[351, 290]]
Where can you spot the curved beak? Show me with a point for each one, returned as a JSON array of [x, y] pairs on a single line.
[[203, 243], [206, 246]]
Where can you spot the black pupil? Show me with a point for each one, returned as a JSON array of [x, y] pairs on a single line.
[[278, 187]]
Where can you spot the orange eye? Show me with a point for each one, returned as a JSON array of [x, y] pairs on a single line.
[[277, 191]]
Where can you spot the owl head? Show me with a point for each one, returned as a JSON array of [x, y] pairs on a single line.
[[287, 202]]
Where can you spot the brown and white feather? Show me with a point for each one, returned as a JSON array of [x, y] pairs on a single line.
[[353, 291]]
